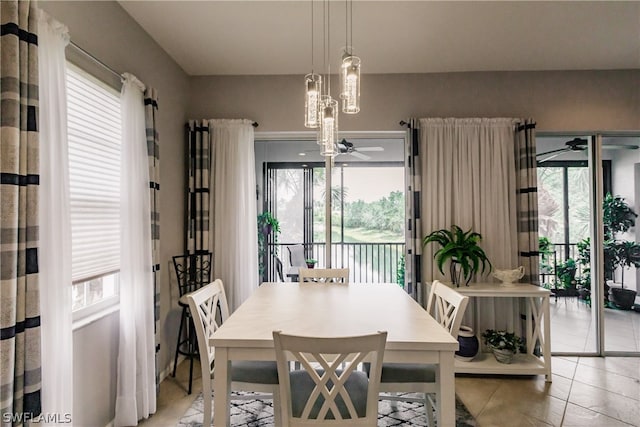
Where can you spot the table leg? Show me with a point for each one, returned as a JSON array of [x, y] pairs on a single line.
[[446, 399], [221, 387]]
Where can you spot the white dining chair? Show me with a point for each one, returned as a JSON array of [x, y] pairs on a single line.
[[447, 306], [206, 304], [324, 275], [329, 389]]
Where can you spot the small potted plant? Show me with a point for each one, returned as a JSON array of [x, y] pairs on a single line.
[[503, 344], [462, 249], [310, 262], [566, 273]]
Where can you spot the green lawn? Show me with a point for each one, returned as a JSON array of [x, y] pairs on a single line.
[[363, 235]]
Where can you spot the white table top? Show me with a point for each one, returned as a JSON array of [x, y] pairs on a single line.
[[333, 310], [501, 290]]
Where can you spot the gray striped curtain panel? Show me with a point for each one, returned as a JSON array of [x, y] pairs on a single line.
[[153, 150], [527, 200], [19, 168], [199, 174]]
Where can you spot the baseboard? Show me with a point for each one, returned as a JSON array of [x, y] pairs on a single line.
[[169, 369], [111, 423]]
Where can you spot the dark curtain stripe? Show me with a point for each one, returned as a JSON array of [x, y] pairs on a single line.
[[151, 102], [32, 403], [11, 28], [20, 180], [19, 327], [31, 264], [527, 190]]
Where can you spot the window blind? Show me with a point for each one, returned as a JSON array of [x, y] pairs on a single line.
[[94, 134]]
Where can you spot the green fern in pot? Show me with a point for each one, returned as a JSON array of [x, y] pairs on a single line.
[[462, 250]]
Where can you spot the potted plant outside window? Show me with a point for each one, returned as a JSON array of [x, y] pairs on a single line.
[[618, 217], [268, 226], [503, 344], [462, 250], [566, 273], [310, 262]]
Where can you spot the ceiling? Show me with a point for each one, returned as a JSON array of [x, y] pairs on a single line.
[[273, 37]]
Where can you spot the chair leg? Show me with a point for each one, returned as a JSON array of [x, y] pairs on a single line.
[[190, 373], [192, 345], [277, 409], [206, 422], [175, 359]]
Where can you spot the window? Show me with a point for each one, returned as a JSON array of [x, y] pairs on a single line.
[[94, 133]]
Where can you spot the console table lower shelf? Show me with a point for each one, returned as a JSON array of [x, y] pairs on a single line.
[[486, 363]]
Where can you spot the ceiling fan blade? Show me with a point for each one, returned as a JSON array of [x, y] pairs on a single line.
[[360, 155], [370, 149], [551, 156], [619, 147], [559, 150]]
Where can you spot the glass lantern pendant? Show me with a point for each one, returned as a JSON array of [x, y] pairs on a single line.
[[350, 77], [328, 132], [313, 85]]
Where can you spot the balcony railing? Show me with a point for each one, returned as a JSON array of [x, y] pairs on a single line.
[[367, 262], [561, 252]]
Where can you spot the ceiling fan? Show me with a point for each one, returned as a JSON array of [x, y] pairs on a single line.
[[580, 144], [346, 147]]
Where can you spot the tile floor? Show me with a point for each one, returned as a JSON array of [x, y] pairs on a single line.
[[602, 392], [572, 328]]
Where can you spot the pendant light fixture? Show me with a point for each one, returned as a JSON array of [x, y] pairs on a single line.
[[313, 91], [350, 70], [328, 131]]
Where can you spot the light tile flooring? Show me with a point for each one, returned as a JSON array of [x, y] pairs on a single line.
[[602, 392], [572, 328]]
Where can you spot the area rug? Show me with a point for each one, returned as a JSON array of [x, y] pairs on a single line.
[[259, 413]]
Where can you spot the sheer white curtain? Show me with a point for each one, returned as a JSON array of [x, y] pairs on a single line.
[[55, 229], [469, 179], [235, 236], [136, 392]]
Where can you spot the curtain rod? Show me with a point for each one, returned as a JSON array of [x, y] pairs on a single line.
[[254, 124], [111, 70], [96, 60]]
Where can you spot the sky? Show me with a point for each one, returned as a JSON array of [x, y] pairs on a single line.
[[371, 184]]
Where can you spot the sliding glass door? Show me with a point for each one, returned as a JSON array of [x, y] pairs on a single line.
[[367, 205], [588, 246]]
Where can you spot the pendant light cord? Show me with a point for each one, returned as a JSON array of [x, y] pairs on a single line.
[[351, 19], [311, 36], [328, 47]]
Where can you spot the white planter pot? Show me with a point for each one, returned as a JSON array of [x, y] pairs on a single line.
[[503, 356]]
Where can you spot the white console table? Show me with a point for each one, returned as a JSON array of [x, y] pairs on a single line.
[[537, 330]]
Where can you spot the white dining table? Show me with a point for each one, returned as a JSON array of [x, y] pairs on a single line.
[[334, 310]]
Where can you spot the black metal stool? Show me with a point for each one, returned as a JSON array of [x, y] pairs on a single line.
[[193, 271]]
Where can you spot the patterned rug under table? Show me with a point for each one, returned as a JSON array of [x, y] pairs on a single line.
[[259, 413]]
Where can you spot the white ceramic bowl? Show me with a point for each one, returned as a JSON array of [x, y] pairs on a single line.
[[509, 276]]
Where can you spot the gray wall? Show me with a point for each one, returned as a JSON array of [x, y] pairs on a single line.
[[558, 101], [107, 31]]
